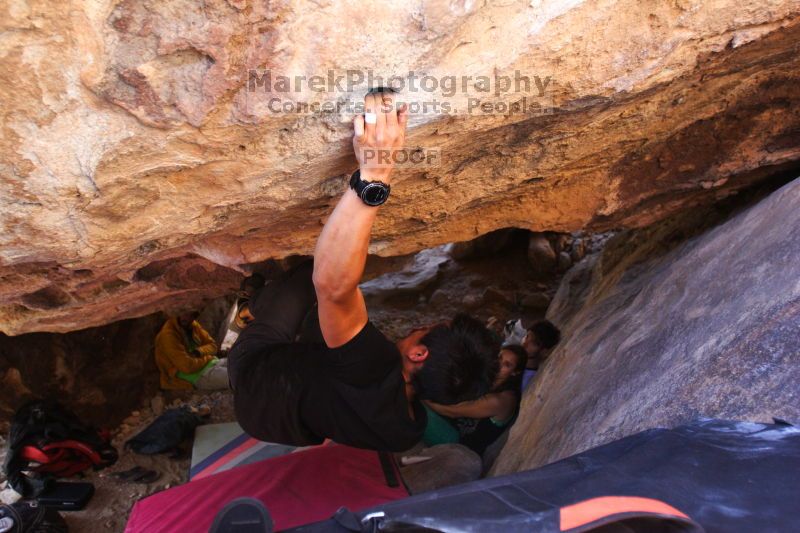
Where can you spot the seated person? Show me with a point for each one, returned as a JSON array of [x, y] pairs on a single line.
[[480, 422], [243, 316], [239, 316], [186, 356], [540, 338], [250, 286]]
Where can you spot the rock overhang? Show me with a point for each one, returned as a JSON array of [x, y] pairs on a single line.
[[136, 177]]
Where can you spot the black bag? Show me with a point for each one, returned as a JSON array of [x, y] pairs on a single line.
[[166, 433], [47, 441], [30, 517]]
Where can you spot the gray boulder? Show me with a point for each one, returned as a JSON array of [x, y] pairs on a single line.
[[657, 334], [541, 254]]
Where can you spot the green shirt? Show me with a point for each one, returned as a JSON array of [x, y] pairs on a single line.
[[438, 429]]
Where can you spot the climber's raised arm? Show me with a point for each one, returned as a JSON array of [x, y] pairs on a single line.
[[341, 250]]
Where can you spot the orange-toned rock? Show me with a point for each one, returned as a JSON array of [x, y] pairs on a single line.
[[142, 167]]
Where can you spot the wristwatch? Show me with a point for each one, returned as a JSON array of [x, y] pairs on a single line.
[[372, 193]]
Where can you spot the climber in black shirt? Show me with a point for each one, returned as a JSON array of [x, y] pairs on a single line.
[[312, 366]]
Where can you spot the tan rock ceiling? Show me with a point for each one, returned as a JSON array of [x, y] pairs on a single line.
[[137, 172]]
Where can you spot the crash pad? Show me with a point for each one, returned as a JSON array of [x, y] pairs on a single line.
[[306, 486]]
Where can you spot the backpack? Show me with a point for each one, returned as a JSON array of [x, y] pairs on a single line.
[[165, 433], [48, 441]]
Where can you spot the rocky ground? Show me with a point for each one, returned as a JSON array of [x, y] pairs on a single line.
[[491, 276]]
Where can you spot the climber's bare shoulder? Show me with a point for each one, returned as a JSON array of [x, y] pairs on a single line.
[[342, 319]]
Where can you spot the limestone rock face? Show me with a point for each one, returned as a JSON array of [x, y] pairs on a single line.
[[142, 167], [655, 337]]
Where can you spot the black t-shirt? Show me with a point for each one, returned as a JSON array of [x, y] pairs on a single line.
[[302, 393]]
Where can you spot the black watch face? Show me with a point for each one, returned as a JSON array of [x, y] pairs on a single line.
[[375, 194]]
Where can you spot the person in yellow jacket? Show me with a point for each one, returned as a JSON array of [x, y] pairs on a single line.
[[186, 356]]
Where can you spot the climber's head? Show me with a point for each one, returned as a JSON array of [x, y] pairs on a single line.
[[541, 337], [186, 317], [511, 365], [450, 362]]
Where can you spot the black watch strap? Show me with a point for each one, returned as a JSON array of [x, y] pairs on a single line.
[[372, 193]]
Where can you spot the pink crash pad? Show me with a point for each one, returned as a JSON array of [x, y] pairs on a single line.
[[299, 488]]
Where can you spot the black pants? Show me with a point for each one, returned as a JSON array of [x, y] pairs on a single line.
[[285, 309], [265, 373]]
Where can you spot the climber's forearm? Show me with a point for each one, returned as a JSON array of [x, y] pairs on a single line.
[[341, 250]]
